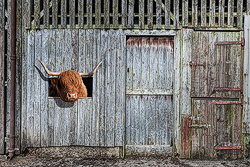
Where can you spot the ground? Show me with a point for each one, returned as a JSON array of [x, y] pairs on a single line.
[[129, 161]]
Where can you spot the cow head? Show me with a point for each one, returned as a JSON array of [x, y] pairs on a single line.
[[69, 85]]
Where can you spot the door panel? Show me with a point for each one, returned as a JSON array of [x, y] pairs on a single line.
[[149, 104]]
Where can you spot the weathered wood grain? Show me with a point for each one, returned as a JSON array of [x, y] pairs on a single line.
[[176, 14], [221, 13], [27, 14], [64, 13], [141, 14], [203, 13], [131, 13], [185, 13], [150, 14], [248, 8], [75, 50], [37, 13], [46, 13], [230, 19], [115, 14], [212, 14], [158, 14], [72, 13], [89, 13], [106, 13], [124, 14], [81, 13], [54, 13], [98, 14], [195, 13], [2, 114], [2, 12], [185, 137], [167, 14], [239, 14]]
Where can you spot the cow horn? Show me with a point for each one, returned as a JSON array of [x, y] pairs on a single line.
[[92, 72], [48, 72]]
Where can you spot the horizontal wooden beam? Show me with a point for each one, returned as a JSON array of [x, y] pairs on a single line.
[[152, 92]]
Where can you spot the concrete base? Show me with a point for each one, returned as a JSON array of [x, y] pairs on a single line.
[[149, 150]]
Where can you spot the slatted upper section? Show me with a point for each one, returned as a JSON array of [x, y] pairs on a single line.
[[135, 14]]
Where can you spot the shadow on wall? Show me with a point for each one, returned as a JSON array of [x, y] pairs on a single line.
[[57, 100]]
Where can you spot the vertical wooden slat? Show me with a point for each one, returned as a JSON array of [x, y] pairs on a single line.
[[203, 13], [158, 14], [98, 14], [37, 14], [44, 90], [145, 53], [72, 13], [64, 13], [73, 124], [141, 14], [230, 19], [59, 116], [2, 55], [129, 78], [89, 13], [176, 14], [51, 103], [185, 13], [124, 14], [185, 137], [28, 14], [221, 13], [106, 13], [46, 13], [2, 17], [37, 91], [115, 14], [150, 14], [54, 13], [239, 14], [75, 50], [212, 14], [195, 13], [167, 14], [136, 64], [131, 13], [30, 90], [80, 121], [248, 8], [153, 63], [102, 70]]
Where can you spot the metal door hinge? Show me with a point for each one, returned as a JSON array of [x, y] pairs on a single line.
[[242, 43], [200, 126], [228, 147]]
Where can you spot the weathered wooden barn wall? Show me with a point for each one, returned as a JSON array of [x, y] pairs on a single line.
[[2, 55]]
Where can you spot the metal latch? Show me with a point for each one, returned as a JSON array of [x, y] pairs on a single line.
[[195, 118]]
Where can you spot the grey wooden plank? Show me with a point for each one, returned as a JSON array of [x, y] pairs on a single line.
[[54, 13], [46, 13], [106, 13], [136, 119], [239, 14], [195, 13], [129, 78], [44, 90], [167, 14], [51, 101], [59, 116], [203, 13], [37, 90], [96, 88], [169, 51], [98, 14], [81, 13], [248, 8], [102, 70], [37, 13], [128, 121], [153, 81], [132, 119], [2, 115], [141, 14], [145, 53], [111, 89], [176, 14], [150, 14], [124, 14], [221, 13], [75, 50], [89, 13], [230, 18], [73, 124], [30, 90], [28, 14], [2, 12], [82, 52], [64, 13], [158, 14], [120, 90], [72, 13], [136, 63], [115, 14], [212, 14], [162, 63], [151, 120], [80, 122], [185, 13], [131, 13], [89, 49], [87, 121]]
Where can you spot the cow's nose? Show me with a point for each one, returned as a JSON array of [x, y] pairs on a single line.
[[72, 95]]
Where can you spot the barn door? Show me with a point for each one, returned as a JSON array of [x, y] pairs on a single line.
[[149, 108], [215, 121]]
